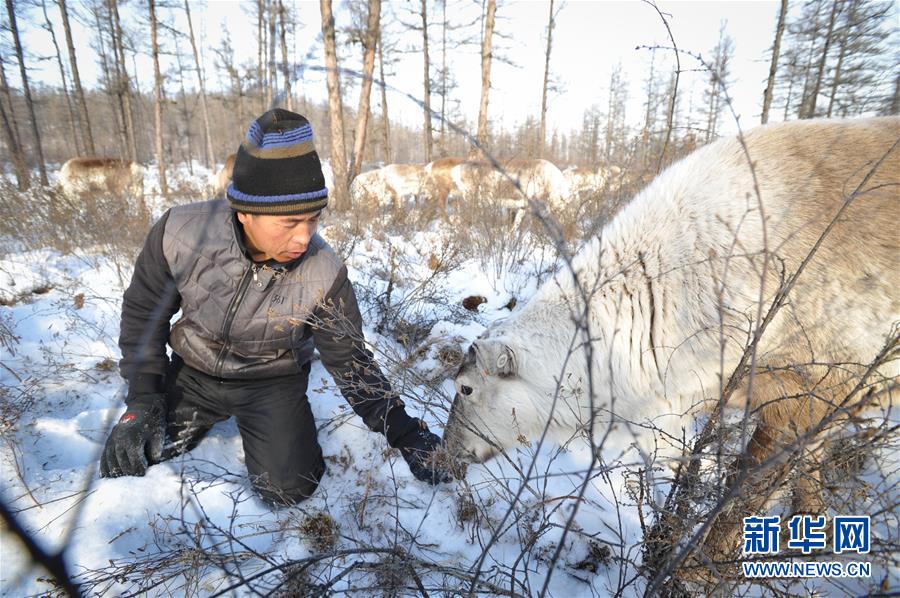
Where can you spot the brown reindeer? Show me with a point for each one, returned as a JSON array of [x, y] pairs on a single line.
[[102, 175]]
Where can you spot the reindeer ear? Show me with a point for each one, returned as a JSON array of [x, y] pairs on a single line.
[[495, 358]]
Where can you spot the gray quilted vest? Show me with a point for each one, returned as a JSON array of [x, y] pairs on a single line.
[[240, 319]]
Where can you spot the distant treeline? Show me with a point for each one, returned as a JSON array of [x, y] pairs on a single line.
[[828, 58]]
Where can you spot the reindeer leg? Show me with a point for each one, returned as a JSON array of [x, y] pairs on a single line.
[[750, 486], [786, 412]]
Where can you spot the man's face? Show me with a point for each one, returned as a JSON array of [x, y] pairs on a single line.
[[280, 238]]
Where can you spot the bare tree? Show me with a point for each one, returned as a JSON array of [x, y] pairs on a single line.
[[270, 38], [73, 128], [445, 74], [285, 65], [773, 65], [842, 49], [810, 25], [542, 133], [486, 55], [615, 132], [718, 79], [10, 107], [158, 99], [20, 55], [76, 80], [260, 53], [857, 82], [225, 61], [892, 104], [186, 114], [102, 22], [210, 155], [11, 135], [362, 114], [810, 109], [652, 100], [123, 85], [335, 109], [385, 120], [426, 84], [844, 45]]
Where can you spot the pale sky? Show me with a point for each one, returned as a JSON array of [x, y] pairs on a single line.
[[590, 38]]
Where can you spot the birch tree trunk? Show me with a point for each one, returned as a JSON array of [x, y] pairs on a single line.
[[486, 56], [73, 122], [210, 155], [86, 132], [773, 66], [426, 111], [335, 110], [285, 66], [157, 104], [362, 114], [542, 131], [14, 29]]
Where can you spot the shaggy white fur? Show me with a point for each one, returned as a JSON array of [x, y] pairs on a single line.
[[665, 299]]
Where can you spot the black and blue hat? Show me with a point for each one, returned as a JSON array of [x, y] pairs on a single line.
[[277, 170]]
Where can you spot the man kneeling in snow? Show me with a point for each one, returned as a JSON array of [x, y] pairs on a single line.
[[258, 290]]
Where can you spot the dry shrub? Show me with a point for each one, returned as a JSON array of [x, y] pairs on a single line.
[[320, 530], [342, 231], [392, 574], [295, 581], [186, 189], [599, 556], [466, 509], [44, 217]]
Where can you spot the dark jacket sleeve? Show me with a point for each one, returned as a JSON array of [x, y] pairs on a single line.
[[149, 303], [337, 332]]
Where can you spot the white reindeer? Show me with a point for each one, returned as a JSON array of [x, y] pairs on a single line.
[[667, 296]]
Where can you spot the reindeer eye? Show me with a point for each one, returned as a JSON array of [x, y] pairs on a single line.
[[466, 390]]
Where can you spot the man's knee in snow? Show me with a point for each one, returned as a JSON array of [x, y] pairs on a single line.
[[288, 492]]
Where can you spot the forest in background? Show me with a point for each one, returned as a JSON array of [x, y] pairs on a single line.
[[828, 58]]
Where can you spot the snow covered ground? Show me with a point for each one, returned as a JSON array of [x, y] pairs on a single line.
[[193, 526]]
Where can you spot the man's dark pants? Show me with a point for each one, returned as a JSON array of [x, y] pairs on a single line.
[[281, 451]]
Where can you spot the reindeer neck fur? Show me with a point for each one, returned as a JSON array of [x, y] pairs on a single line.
[[654, 315]]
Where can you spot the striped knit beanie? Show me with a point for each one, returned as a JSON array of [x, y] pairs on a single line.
[[277, 170]]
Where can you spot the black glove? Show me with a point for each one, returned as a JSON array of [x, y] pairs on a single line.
[[418, 448], [137, 439]]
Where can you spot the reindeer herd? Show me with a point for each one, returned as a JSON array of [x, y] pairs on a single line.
[[451, 182], [445, 184]]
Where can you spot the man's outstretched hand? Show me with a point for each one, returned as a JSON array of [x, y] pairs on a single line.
[[418, 448], [137, 440]]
